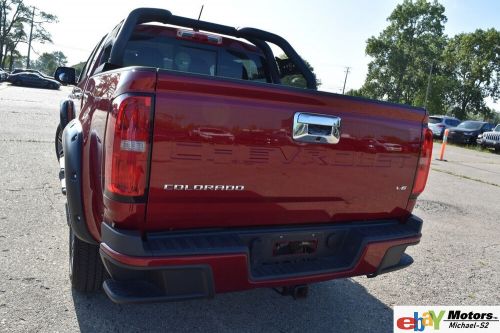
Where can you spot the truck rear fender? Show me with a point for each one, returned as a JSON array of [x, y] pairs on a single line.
[[66, 112], [72, 144]]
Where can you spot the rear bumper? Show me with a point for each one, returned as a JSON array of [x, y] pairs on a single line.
[[182, 265], [490, 143]]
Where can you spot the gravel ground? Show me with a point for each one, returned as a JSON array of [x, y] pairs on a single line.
[[456, 263]]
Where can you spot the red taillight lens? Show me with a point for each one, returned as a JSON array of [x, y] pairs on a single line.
[[424, 163], [127, 145]]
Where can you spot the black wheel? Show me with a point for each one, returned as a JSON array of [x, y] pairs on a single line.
[[58, 143], [86, 271]]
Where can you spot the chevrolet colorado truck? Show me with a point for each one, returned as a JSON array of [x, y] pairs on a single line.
[[195, 162]]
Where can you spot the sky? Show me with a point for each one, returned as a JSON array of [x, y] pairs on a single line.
[[331, 35]]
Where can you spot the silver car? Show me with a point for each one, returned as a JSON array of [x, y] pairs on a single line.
[[490, 139], [438, 124]]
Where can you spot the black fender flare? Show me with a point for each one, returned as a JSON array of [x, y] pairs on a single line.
[[66, 112], [72, 140]]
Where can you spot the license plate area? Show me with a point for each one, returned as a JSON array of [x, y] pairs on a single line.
[[294, 246], [297, 247]]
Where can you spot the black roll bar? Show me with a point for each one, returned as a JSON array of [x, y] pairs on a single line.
[[254, 36]]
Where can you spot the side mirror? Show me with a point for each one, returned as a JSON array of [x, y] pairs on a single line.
[[65, 75]]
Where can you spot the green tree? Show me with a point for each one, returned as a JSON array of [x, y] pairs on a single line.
[[357, 92], [298, 80], [15, 60], [79, 67], [16, 36], [404, 53], [36, 22], [489, 114], [472, 61], [48, 62], [15, 19], [12, 14]]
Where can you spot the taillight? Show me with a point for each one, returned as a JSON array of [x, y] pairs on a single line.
[[127, 145], [424, 163], [440, 126]]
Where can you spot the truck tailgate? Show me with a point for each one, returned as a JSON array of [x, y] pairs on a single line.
[[223, 156]]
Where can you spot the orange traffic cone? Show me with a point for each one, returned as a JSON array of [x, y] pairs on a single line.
[[443, 145]]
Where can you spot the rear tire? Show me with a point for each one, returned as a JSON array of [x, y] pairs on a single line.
[[58, 143], [86, 271]]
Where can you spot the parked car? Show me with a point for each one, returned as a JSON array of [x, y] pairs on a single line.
[[32, 80], [468, 131], [165, 202], [438, 124], [490, 139], [34, 71], [3, 75]]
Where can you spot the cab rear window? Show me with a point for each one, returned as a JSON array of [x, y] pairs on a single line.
[[191, 57]]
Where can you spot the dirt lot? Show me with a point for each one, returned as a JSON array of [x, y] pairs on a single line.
[[456, 263]]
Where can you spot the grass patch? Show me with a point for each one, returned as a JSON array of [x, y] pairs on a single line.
[[476, 147]]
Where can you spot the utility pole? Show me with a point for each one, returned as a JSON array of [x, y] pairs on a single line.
[[347, 69], [428, 86], [31, 37]]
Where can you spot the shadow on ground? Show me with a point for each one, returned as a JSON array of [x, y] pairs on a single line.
[[340, 305]]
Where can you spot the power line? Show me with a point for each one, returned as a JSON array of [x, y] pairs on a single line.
[[347, 69]]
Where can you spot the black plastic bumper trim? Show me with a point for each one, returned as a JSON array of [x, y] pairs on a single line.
[[394, 259], [132, 284]]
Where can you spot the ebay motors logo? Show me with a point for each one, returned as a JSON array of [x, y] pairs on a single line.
[[446, 318], [418, 322]]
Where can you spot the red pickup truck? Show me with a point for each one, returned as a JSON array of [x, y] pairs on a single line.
[[194, 162]]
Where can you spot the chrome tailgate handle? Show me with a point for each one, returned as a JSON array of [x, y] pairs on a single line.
[[316, 128]]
